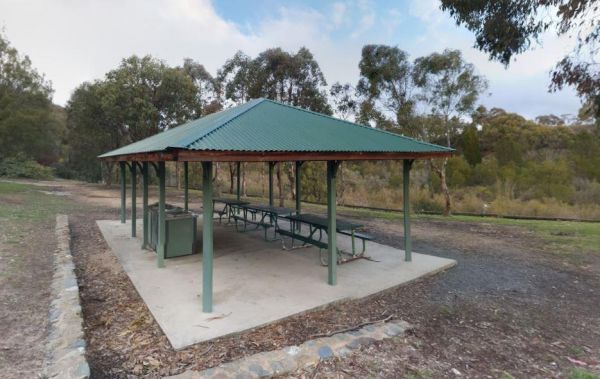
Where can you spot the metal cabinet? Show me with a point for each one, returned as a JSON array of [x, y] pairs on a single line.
[[180, 230]]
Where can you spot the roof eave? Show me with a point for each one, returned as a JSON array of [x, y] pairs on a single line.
[[265, 156]]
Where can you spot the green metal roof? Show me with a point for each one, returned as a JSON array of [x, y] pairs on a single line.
[[263, 125]]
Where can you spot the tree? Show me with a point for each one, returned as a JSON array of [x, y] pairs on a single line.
[[30, 126], [450, 87], [344, 101], [140, 98], [291, 78], [509, 27], [91, 131], [148, 97], [471, 149], [207, 88], [294, 79], [386, 85], [550, 120], [235, 78]]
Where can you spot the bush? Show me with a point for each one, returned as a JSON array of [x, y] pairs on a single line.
[[21, 167], [422, 201]]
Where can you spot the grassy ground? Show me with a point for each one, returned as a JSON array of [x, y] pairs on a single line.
[[26, 203], [26, 255]]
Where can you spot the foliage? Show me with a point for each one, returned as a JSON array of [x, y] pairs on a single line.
[[470, 145], [294, 79], [29, 123], [235, 78], [140, 98], [24, 167], [509, 27], [207, 88], [450, 88], [386, 86], [345, 104]]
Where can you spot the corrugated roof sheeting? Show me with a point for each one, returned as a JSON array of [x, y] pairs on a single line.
[[264, 125]]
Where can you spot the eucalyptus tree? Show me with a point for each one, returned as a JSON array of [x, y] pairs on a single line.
[[507, 28], [208, 97], [344, 100], [387, 89], [450, 88], [291, 78], [235, 78]]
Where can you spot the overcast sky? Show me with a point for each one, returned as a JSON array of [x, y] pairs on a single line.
[[72, 41]]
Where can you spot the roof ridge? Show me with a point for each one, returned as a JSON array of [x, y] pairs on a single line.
[[357, 124], [219, 126]]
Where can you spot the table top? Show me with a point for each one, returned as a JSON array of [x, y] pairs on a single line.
[[225, 200], [269, 209], [322, 221]]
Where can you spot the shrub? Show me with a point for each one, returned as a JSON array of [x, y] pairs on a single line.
[[422, 201], [458, 171], [21, 167]]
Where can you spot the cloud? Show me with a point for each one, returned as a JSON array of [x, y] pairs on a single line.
[[367, 17], [76, 41], [338, 13], [520, 87]]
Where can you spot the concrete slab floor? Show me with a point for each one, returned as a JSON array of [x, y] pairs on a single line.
[[255, 282]]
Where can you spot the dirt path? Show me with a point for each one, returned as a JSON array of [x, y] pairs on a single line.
[[509, 308]]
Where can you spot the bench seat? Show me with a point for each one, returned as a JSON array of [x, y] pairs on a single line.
[[362, 236], [300, 237]]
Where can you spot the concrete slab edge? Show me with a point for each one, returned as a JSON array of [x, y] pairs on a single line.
[[65, 347], [306, 355]]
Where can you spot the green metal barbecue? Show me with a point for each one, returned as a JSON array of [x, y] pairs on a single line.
[[180, 230]]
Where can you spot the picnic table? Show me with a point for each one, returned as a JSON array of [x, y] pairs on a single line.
[[316, 226], [268, 217], [229, 209]]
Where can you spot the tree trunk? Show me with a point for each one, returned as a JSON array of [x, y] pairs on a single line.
[[441, 172], [177, 168], [291, 179], [231, 176], [279, 184], [244, 191], [340, 185], [262, 180], [108, 173], [216, 172]]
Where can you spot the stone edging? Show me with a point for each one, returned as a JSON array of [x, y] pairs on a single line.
[[292, 358], [65, 349]]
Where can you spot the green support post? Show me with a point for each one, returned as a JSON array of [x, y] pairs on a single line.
[[298, 187], [133, 198], [271, 166], [145, 179], [332, 167], [123, 192], [406, 210], [160, 251], [185, 186], [238, 172], [207, 237]]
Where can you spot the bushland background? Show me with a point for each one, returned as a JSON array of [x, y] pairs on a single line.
[[504, 164]]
